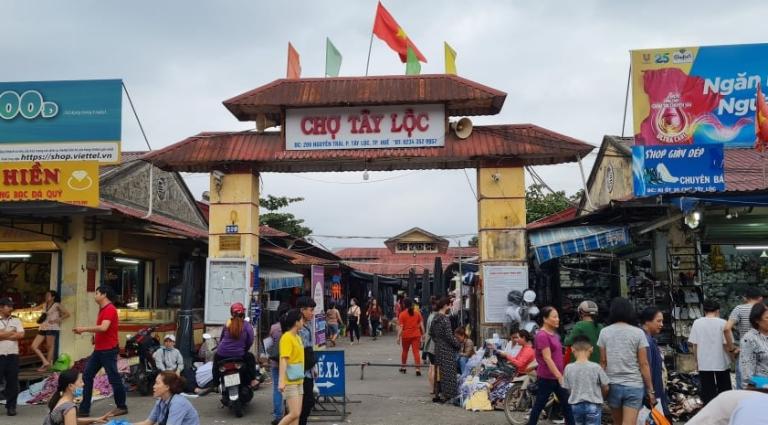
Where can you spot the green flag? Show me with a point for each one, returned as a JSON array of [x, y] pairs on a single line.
[[332, 59], [412, 66]]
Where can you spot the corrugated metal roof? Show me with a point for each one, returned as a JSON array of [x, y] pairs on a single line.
[[555, 218], [294, 257], [174, 226], [382, 261], [745, 170], [462, 97], [496, 145]]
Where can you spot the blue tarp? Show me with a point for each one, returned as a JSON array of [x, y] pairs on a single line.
[[281, 279], [554, 243]]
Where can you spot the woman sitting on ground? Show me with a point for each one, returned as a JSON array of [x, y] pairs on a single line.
[[62, 407], [170, 407]]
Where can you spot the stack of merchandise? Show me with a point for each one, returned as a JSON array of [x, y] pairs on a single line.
[[726, 277], [684, 400], [487, 380]]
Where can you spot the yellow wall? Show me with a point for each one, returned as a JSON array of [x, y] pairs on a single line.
[[501, 223], [237, 202]]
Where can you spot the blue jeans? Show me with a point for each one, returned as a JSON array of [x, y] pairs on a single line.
[[739, 384], [586, 413], [108, 360], [277, 396], [545, 389], [623, 396], [463, 363]]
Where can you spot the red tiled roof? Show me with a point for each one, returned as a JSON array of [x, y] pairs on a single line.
[[745, 170], [294, 257], [564, 215], [174, 226], [461, 96], [520, 144], [382, 261]]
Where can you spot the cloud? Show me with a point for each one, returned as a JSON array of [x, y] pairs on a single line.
[[563, 64]]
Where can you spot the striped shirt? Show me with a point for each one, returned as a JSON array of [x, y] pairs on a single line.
[[740, 315]]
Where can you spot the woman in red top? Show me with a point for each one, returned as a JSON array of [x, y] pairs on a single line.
[[526, 355], [410, 330]]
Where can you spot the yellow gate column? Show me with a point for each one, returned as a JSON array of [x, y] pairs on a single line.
[[501, 226], [234, 206]]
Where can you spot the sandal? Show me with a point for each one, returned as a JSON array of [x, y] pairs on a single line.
[[402, 370], [418, 373]]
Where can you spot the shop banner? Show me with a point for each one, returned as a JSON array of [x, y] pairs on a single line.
[[497, 282], [375, 127], [69, 182], [697, 95], [318, 286], [666, 169], [61, 120]]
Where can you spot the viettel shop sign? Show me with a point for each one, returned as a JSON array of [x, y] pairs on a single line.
[[69, 182], [61, 120], [376, 127]]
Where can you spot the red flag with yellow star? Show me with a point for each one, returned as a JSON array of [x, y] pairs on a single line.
[[761, 122], [387, 29]]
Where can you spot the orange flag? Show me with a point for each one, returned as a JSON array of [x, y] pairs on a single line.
[[761, 122], [294, 65], [388, 30]]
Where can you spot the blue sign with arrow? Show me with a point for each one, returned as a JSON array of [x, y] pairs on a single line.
[[330, 373]]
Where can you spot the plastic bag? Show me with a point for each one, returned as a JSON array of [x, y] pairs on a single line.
[[653, 416], [118, 422], [63, 363]]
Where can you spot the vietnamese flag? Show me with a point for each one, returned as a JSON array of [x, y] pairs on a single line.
[[761, 122], [388, 30]]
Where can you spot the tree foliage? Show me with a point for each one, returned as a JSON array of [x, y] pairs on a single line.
[[282, 221], [540, 202], [473, 242]]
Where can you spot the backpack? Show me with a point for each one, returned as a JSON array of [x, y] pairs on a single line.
[[274, 350]]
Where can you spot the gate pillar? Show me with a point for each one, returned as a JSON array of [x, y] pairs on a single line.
[[501, 228], [233, 225]]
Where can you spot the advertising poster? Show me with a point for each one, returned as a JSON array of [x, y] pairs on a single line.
[[318, 286], [661, 169], [61, 121], [697, 95], [497, 282]]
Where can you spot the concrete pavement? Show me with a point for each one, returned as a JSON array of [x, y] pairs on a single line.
[[385, 397]]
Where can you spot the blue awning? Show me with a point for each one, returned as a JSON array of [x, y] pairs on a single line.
[[281, 279], [553, 243]]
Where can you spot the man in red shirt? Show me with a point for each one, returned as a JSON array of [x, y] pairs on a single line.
[[105, 353]]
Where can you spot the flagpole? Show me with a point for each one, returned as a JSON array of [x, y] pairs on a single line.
[[370, 44]]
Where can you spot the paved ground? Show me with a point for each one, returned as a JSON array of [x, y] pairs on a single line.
[[385, 397]]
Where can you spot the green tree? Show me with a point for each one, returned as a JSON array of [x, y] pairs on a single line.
[[539, 204], [282, 221], [473, 242]]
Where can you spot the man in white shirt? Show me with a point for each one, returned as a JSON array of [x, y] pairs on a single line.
[[11, 331], [710, 348]]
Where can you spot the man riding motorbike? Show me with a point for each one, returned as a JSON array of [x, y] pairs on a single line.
[[235, 342]]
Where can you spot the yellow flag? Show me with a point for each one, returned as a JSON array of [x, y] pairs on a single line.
[[450, 59]]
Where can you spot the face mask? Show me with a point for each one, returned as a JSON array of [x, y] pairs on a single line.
[[78, 392]]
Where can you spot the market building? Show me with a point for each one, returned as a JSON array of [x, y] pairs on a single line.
[[146, 225]]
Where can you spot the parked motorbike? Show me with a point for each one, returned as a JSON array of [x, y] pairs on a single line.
[[234, 385], [139, 349], [520, 399]]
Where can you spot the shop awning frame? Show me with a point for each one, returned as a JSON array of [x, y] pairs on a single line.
[[549, 244], [280, 279]]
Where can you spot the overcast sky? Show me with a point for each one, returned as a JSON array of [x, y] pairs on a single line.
[[563, 64]]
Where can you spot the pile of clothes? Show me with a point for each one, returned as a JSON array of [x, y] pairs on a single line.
[[683, 391], [486, 381]]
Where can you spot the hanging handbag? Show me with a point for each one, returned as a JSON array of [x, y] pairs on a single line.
[[295, 371]]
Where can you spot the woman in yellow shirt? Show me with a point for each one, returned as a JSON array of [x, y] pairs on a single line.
[[291, 366]]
